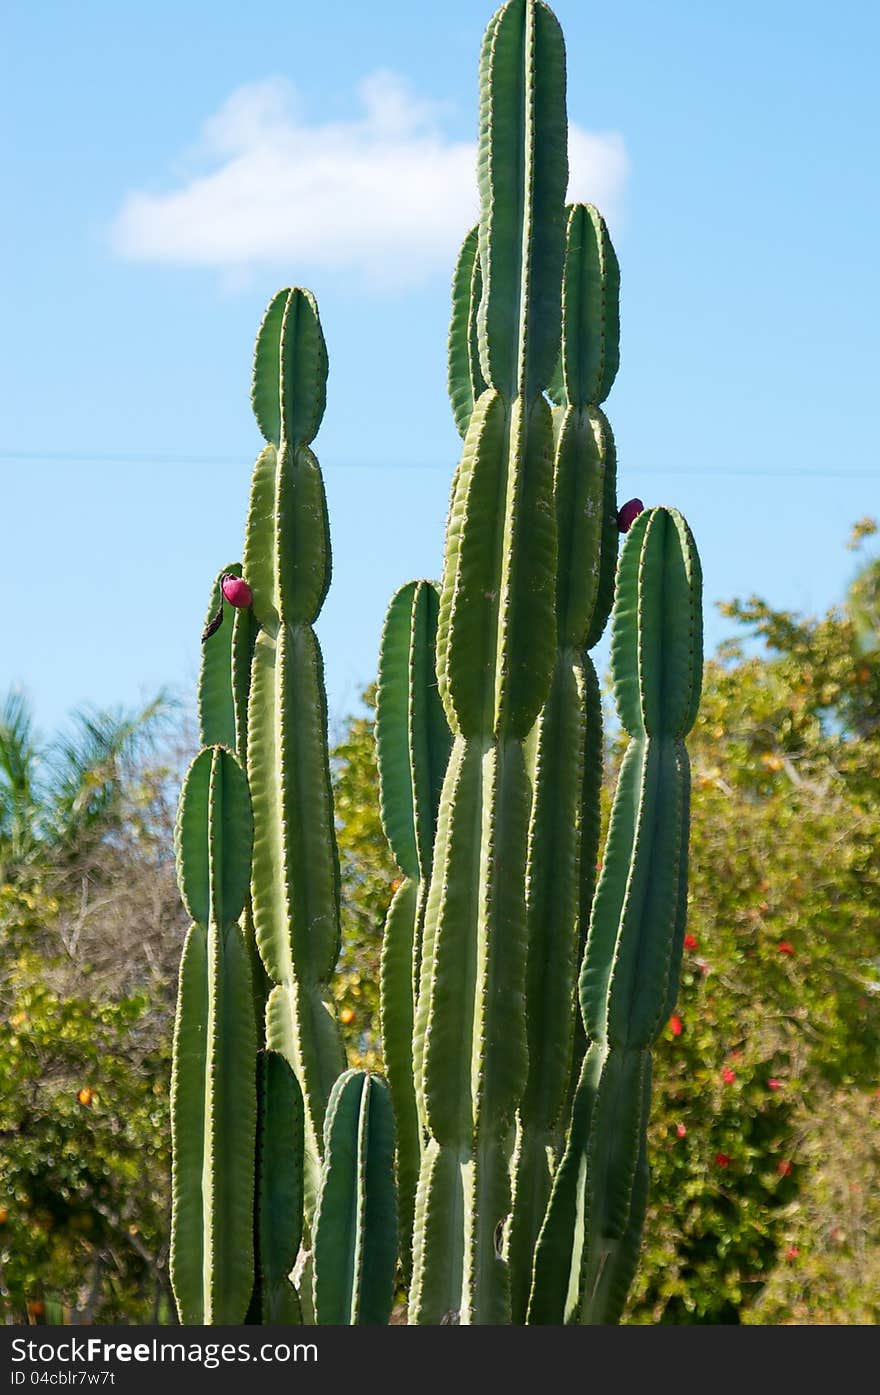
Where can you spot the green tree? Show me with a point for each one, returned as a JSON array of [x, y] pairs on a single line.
[[90, 929], [368, 882]]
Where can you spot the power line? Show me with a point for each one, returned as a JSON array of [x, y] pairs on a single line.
[[207, 462]]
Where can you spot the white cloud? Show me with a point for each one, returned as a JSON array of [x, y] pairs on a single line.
[[385, 195]]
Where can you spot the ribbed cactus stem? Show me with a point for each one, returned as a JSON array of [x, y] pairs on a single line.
[[355, 1228], [278, 1214], [295, 883], [566, 745], [495, 654], [213, 1104], [465, 377], [223, 692], [412, 745], [630, 973]]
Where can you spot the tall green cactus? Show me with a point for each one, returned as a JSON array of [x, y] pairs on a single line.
[[295, 883], [213, 1100], [590, 1241], [495, 654], [531, 1190], [412, 748], [566, 745]]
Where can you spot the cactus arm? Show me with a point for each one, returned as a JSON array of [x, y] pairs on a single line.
[[295, 881], [279, 1189], [225, 673], [429, 736], [589, 828], [522, 113], [355, 1230], [397, 1016], [568, 734], [495, 655], [466, 382], [213, 1088], [259, 546], [590, 356], [438, 1237], [656, 640], [498, 582], [396, 794], [215, 694], [552, 918], [446, 997], [412, 744], [289, 390], [677, 948], [188, 1127], [223, 692], [613, 1280], [557, 1259], [633, 950]]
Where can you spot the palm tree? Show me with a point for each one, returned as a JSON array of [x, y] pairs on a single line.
[[60, 796]]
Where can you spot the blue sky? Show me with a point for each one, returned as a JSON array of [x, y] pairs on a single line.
[[168, 167]]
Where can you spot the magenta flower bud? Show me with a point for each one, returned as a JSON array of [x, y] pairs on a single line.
[[237, 592], [628, 513]]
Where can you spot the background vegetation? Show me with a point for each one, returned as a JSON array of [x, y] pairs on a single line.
[[766, 1119]]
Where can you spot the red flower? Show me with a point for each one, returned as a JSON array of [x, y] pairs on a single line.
[[680, 1130], [792, 1252], [728, 1075], [237, 592], [784, 947], [774, 1084], [690, 941], [784, 1168], [722, 1159], [628, 513], [675, 1025]]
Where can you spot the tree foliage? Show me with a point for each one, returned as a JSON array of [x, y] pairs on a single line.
[[90, 929]]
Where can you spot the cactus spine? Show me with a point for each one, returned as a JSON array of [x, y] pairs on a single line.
[[630, 973], [295, 883], [567, 740], [412, 747], [355, 1229], [213, 1102], [495, 653]]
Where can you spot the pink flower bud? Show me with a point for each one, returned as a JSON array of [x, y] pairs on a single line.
[[237, 592], [628, 513]]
